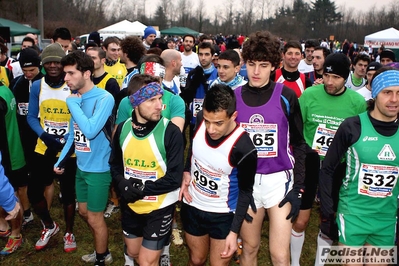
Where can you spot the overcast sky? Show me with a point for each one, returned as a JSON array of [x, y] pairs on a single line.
[[219, 6]]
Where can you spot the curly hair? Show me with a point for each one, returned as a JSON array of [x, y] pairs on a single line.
[[134, 48], [262, 46]]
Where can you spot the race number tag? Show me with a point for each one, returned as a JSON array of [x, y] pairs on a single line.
[[82, 144], [206, 182], [144, 176], [183, 79], [197, 106], [56, 128], [264, 137], [23, 108], [377, 181], [322, 139]]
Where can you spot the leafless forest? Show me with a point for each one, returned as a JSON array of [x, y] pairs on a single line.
[[290, 19]]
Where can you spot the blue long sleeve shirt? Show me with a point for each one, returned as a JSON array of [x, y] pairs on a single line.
[[7, 196], [89, 113]]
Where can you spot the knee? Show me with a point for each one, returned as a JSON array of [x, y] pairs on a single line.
[[197, 261], [95, 220], [83, 213], [280, 257], [300, 225], [132, 251], [250, 248]]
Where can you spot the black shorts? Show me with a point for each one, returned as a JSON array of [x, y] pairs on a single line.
[[199, 223], [155, 228], [18, 178], [312, 166]]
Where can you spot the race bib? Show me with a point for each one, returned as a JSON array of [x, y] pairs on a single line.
[[82, 144], [183, 79], [197, 106], [377, 181], [144, 176], [322, 139], [56, 128], [206, 182], [264, 137], [23, 108]]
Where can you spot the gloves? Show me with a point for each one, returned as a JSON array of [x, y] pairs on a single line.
[[131, 189], [248, 217], [329, 227], [294, 197], [52, 142]]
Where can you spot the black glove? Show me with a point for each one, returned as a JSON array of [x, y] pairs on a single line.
[[52, 142], [294, 197], [131, 189], [328, 226], [248, 217]]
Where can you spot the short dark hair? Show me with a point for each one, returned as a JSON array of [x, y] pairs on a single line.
[[231, 55], [218, 98], [206, 45], [111, 39], [262, 46], [204, 37], [292, 44], [311, 43], [133, 47], [189, 35], [154, 50], [361, 57], [29, 39], [82, 61], [324, 49], [138, 81], [151, 58], [101, 53], [62, 33]]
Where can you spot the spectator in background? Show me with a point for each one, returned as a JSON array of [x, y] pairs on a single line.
[[63, 37], [149, 36]]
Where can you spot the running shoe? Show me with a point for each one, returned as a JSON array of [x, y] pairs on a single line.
[[111, 208], [46, 235], [12, 245], [69, 242], [91, 258], [27, 220], [164, 260]]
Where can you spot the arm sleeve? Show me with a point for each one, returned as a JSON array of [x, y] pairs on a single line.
[[174, 170], [93, 125], [124, 111], [187, 166], [347, 134], [69, 147], [7, 197], [3, 135], [246, 170], [33, 109], [297, 140], [179, 107], [116, 158]]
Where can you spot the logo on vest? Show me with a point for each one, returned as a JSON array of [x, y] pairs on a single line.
[[386, 154], [256, 119], [367, 138]]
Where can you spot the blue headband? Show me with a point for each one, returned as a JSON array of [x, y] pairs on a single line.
[[384, 80], [144, 93]]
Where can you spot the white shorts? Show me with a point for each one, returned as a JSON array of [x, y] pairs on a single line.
[[270, 189]]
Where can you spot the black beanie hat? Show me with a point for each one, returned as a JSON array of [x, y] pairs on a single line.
[[337, 64], [388, 54], [95, 37], [373, 66], [29, 57]]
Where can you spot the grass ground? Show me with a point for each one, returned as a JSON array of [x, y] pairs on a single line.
[[54, 254]]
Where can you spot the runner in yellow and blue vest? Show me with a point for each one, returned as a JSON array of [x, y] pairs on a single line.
[[147, 166], [367, 206]]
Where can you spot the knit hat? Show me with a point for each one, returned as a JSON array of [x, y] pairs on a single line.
[[388, 54], [52, 53], [337, 64], [28, 57], [95, 37], [148, 31], [373, 66]]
